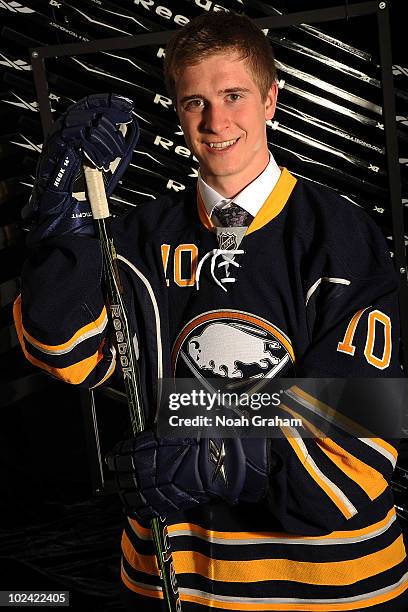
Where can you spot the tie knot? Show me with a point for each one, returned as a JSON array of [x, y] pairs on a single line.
[[233, 215]]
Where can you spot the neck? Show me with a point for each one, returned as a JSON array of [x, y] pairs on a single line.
[[230, 185]]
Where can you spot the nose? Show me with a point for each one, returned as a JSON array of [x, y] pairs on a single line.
[[215, 119]]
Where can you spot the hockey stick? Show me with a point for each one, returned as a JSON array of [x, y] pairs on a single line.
[[129, 366]]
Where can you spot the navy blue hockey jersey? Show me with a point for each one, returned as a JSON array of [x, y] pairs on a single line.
[[308, 291]]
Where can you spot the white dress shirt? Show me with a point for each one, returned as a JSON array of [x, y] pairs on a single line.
[[251, 198]]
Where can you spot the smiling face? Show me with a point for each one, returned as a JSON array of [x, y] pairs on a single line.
[[223, 117]]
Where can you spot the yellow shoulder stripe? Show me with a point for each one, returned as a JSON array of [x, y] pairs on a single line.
[[73, 374], [87, 331]]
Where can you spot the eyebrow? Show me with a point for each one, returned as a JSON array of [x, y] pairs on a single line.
[[220, 92]]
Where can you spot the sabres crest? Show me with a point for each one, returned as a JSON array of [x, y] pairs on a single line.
[[231, 349]]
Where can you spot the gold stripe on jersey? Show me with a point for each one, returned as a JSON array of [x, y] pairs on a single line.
[[273, 205], [337, 496], [367, 477], [147, 590], [143, 533], [145, 563], [73, 374], [333, 574], [242, 538], [227, 570], [330, 573], [308, 401], [288, 604], [87, 331]]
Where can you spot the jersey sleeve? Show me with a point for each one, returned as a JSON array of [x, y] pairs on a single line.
[[354, 329], [332, 468], [60, 315], [351, 300]]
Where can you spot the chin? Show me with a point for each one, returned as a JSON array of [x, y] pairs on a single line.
[[223, 168], [219, 172]]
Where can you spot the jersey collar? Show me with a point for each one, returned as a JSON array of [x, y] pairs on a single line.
[[271, 207]]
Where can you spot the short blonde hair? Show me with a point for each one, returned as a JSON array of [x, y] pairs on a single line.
[[220, 32]]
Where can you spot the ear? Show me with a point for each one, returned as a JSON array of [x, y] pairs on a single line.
[[270, 102]]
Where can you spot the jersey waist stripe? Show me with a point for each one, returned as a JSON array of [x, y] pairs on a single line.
[[225, 602], [237, 538], [338, 573], [285, 604]]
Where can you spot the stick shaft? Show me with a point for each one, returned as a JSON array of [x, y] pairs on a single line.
[[128, 362]]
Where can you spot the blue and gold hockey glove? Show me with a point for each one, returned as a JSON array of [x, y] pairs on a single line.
[[90, 129], [158, 476]]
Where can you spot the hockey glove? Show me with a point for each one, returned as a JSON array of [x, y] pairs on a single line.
[[88, 130], [158, 476]]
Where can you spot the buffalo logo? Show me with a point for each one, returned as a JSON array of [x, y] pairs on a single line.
[[249, 349], [236, 348]]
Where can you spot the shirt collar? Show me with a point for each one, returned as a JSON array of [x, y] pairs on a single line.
[[251, 198]]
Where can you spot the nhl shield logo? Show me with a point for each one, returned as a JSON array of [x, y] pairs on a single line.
[[227, 241], [232, 350]]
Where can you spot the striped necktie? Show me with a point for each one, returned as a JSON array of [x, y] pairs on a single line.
[[233, 215]]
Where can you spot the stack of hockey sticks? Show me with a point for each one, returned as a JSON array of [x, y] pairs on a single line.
[[327, 127]]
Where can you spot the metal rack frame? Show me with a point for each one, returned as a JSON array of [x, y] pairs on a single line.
[[347, 11]]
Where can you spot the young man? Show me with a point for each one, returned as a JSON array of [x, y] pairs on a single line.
[[286, 280]]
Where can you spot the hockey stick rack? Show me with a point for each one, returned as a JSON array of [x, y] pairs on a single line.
[[346, 11]]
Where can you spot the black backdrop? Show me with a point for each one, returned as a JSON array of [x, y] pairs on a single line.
[[54, 531]]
